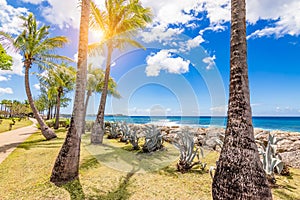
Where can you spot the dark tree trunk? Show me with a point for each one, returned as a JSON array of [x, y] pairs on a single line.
[[239, 173], [46, 131], [48, 113], [57, 110], [88, 95], [67, 162], [98, 128]]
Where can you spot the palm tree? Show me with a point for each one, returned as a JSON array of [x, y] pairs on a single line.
[[95, 82], [37, 49], [59, 81], [239, 173], [119, 23], [66, 165]]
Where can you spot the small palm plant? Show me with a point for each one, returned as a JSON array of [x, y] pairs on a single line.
[[185, 144], [153, 139]]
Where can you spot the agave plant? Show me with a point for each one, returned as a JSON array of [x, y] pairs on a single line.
[[270, 158], [133, 137], [114, 130], [185, 144], [153, 139], [125, 132]]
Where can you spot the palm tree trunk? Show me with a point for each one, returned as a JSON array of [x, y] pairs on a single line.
[[88, 95], [46, 131], [48, 112], [57, 111], [98, 128], [239, 173], [67, 162]]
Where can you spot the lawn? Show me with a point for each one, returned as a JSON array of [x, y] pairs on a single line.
[[4, 126], [25, 174]]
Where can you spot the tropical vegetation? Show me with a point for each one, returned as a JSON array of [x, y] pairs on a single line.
[[119, 22], [6, 60], [37, 49]]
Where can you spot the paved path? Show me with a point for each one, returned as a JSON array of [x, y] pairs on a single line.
[[11, 139]]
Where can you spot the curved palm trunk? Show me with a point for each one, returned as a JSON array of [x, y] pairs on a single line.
[[88, 95], [98, 128], [67, 162], [46, 131], [57, 110], [239, 173]]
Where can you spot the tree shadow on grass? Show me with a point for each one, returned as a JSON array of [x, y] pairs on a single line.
[[120, 193], [41, 143], [75, 190]]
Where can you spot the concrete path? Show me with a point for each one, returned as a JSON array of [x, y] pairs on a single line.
[[11, 139]]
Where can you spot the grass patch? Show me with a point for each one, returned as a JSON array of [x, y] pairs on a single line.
[[4, 126], [25, 175]]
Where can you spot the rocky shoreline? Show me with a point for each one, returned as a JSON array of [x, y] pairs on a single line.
[[288, 147]]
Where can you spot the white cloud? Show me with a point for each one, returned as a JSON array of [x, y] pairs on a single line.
[[163, 60], [6, 91], [210, 62], [9, 18], [284, 16], [160, 33], [33, 1], [37, 86], [3, 78], [64, 15], [218, 109]]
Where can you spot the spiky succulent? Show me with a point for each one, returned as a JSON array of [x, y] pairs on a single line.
[[270, 158], [153, 139], [188, 152]]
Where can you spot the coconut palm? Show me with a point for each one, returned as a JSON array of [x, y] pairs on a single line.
[[67, 162], [59, 81], [119, 22], [239, 173], [95, 82], [37, 49]]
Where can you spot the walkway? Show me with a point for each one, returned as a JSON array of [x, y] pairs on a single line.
[[11, 139]]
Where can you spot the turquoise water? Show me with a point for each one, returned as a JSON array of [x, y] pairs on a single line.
[[269, 123]]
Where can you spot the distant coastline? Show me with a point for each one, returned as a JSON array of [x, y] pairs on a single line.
[[282, 123]]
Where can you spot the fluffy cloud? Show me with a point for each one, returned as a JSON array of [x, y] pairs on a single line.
[[283, 17], [64, 15], [37, 86], [33, 1], [96, 61], [210, 62], [163, 60], [6, 91], [3, 78], [9, 18]]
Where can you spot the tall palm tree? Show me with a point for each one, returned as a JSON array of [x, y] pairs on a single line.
[[66, 165], [239, 173], [119, 22], [37, 49], [59, 81], [95, 82]]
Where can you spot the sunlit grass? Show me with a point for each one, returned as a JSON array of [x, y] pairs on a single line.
[[4, 126], [25, 175]]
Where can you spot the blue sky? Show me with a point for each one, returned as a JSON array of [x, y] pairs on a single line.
[[185, 69]]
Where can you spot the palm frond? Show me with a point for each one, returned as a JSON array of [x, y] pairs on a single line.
[[96, 48]]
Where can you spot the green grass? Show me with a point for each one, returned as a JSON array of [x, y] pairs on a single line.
[[25, 175], [4, 126]]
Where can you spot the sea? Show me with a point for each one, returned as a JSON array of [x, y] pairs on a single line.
[[291, 124]]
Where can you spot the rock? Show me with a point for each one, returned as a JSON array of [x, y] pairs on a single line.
[[291, 158]]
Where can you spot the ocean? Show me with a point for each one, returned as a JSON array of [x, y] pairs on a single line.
[[267, 123]]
